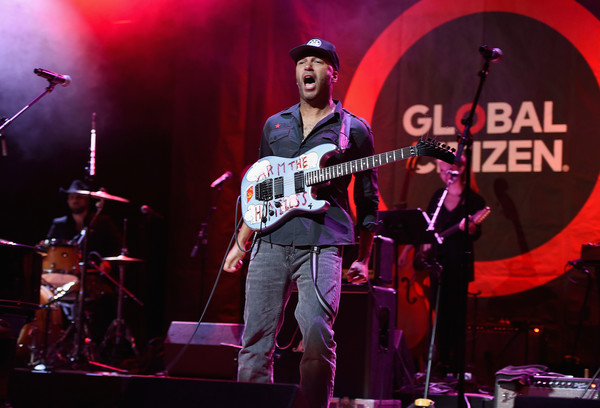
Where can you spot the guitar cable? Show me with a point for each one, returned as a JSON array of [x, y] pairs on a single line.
[[237, 224], [314, 267]]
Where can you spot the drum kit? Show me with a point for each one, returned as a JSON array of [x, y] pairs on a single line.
[[59, 334]]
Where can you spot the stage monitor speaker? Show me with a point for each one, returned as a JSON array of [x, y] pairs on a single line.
[[508, 392], [364, 333], [212, 352]]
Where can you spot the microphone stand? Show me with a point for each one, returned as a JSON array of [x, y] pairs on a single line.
[[6, 122], [464, 147], [437, 269], [202, 239]]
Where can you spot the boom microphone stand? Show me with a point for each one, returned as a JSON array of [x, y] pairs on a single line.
[[436, 269], [53, 79], [202, 239], [464, 144]]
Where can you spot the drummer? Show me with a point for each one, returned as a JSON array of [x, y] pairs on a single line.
[[103, 236]]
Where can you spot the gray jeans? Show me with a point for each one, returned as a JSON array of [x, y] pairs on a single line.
[[271, 271]]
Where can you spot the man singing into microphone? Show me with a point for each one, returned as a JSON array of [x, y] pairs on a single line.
[[306, 251]]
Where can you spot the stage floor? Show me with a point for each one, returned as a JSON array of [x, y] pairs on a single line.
[[96, 389], [83, 389]]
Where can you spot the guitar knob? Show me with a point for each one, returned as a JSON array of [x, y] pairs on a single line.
[[271, 213], [263, 220], [277, 204]]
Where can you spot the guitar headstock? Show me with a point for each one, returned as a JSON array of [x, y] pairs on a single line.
[[432, 148]]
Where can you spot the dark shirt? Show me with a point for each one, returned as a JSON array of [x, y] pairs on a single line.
[[103, 237], [450, 254], [283, 136]]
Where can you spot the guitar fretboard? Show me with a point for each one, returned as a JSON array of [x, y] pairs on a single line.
[[365, 163]]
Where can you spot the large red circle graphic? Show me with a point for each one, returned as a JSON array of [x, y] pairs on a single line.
[[571, 20]]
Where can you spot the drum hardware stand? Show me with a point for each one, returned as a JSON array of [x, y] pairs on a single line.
[[82, 337], [39, 356], [57, 350], [118, 332]]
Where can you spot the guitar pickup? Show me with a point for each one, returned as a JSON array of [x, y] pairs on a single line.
[[278, 187], [264, 190], [299, 182]]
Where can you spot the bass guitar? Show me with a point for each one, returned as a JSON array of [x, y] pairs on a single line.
[[275, 188]]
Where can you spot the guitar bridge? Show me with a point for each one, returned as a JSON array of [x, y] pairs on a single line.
[[264, 190], [299, 182]]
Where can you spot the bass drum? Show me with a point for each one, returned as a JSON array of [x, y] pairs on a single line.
[[42, 332]]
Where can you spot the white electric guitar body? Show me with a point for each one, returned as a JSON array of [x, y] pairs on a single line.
[[275, 188]]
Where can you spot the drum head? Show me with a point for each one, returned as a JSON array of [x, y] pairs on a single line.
[[60, 256]]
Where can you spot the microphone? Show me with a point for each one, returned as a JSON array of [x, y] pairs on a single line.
[[579, 264], [224, 177], [452, 173], [53, 77], [149, 211], [492, 54]]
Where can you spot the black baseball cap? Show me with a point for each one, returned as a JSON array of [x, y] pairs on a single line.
[[319, 48]]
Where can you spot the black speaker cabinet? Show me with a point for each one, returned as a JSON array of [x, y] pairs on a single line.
[[381, 264], [364, 332], [211, 353]]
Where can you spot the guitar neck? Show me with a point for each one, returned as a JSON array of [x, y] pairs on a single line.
[[477, 219], [354, 166]]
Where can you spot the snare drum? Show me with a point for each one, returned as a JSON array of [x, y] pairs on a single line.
[[61, 262]]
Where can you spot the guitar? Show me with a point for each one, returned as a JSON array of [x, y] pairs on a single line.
[[423, 255], [476, 219], [275, 188]]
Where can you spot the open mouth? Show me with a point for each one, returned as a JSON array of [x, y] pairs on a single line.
[[309, 82]]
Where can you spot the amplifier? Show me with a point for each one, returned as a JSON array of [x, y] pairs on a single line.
[[381, 264], [590, 253], [545, 386]]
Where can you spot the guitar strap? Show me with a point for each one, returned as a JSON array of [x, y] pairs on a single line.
[[344, 137], [314, 267]]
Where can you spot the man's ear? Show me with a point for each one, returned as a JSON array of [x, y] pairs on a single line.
[[334, 76]]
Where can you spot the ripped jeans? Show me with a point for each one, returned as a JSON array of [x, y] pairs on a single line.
[[271, 271]]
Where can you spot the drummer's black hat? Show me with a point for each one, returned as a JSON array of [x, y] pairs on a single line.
[[75, 187]]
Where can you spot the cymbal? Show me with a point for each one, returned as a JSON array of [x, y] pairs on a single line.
[[122, 259], [102, 195], [4, 242]]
